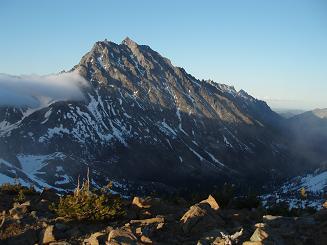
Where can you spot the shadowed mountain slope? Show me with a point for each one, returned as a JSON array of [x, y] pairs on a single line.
[[144, 120]]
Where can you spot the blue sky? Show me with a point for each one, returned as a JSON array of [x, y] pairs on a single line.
[[276, 50]]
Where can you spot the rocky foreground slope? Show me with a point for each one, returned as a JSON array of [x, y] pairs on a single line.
[[156, 221], [144, 120]]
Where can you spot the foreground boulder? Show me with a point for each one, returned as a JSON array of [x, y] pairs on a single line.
[[122, 236], [220, 237], [97, 238], [259, 235], [147, 229], [202, 217], [58, 231], [212, 202], [48, 235], [141, 202], [19, 210]]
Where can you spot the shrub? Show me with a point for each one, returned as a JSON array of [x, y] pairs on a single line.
[[249, 201], [11, 189], [86, 205], [11, 230], [283, 209], [279, 209], [17, 189], [20, 197], [224, 195]]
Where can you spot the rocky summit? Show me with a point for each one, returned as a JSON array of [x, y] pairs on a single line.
[[145, 121]]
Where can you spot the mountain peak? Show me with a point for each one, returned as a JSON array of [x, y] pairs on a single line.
[[136, 100], [129, 42]]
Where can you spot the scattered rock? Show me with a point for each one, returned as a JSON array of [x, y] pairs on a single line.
[[259, 235], [210, 236], [220, 241], [267, 218], [212, 202], [157, 221], [277, 221], [231, 239], [47, 235], [260, 225], [53, 233], [146, 239], [147, 227], [122, 236], [219, 237], [18, 211], [252, 243], [97, 238], [141, 202], [200, 217]]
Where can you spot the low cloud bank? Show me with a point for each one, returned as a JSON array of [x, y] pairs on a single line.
[[34, 91]]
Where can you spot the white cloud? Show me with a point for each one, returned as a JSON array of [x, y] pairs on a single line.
[[35, 91]]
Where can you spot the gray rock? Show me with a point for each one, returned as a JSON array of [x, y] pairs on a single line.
[[122, 236], [200, 217], [97, 238], [259, 235], [147, 227], [19, 210], [212, 202], [47, 235]]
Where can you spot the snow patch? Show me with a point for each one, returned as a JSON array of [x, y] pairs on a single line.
[[64, 180], [166, 129], [227, 142], [315, 183], [195, 153], [215, 159]]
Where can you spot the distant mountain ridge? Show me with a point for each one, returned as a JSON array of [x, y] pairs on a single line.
[[147, 121], [322, 113], [309, 135], [288, 113]]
